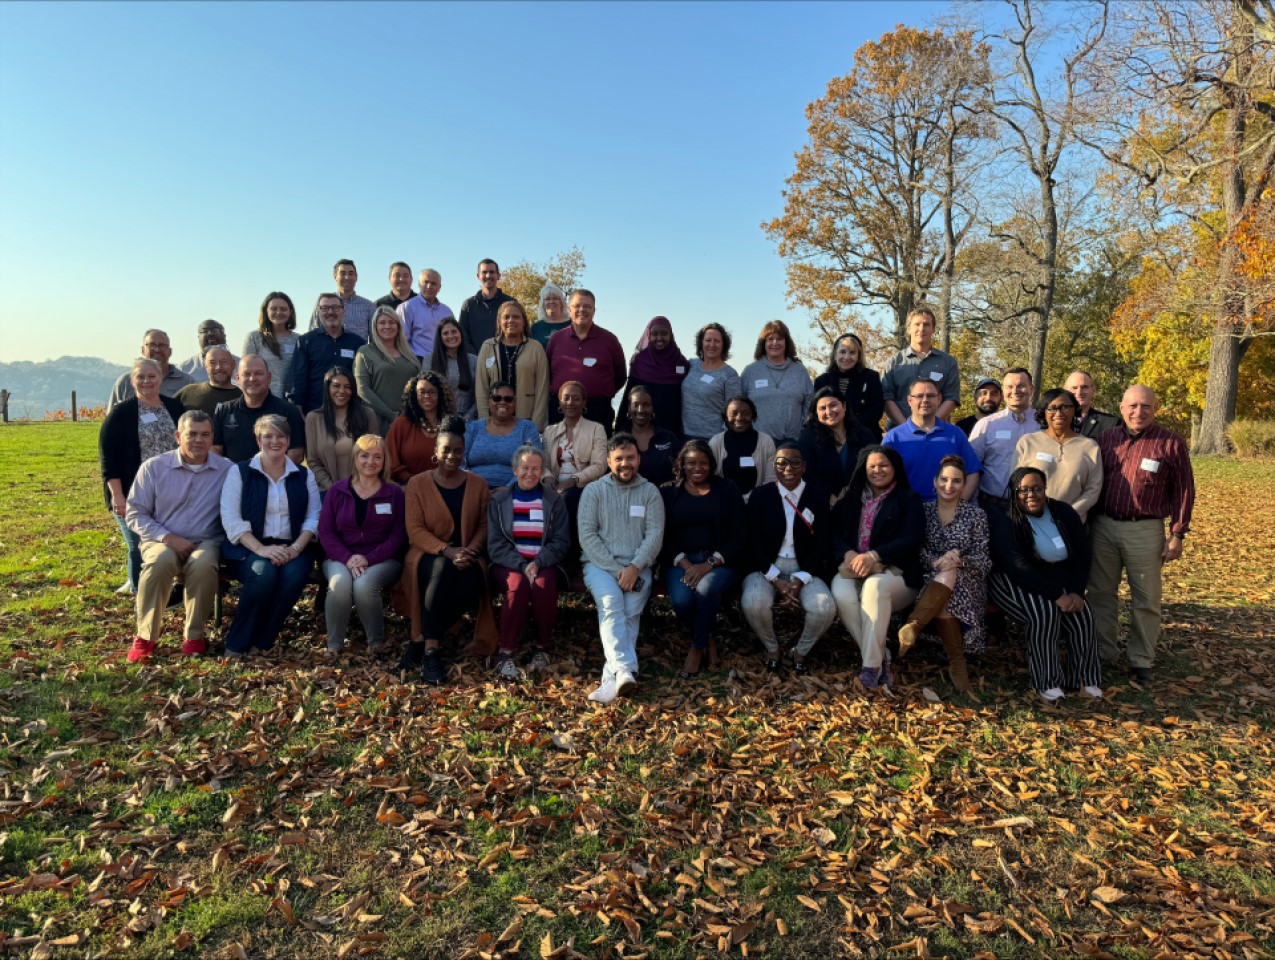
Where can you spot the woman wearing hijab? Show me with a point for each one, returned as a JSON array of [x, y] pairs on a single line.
[[659, 366]]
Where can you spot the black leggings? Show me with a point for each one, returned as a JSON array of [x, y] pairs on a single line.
[[447, 592]]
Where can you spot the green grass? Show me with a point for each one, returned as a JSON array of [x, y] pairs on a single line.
[[689, 809]]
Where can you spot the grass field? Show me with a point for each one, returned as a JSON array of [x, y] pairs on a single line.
[[300, 808]]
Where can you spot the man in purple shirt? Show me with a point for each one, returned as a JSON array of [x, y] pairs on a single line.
[[586, 353], [174, 507], [422, 314]]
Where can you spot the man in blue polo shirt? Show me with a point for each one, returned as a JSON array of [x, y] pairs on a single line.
[[923, 440]]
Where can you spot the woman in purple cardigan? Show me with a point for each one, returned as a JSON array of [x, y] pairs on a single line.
[[362, 528]]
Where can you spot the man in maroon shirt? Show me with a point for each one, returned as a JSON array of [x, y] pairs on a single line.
[[1147, 479], [590, 355]]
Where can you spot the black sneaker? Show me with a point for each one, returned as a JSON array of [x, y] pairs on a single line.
[[411, 658], [772, 665], [432, 670], [1143, 676]]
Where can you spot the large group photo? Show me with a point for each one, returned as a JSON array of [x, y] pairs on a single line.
[[430, 590]]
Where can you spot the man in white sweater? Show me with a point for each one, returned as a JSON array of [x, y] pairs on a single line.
[[621, 524]]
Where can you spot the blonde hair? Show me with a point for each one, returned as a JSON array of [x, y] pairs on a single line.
[[369, 440], [400, 338]]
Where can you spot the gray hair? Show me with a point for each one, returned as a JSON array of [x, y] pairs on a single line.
[[272, 421], [548, 290], [525, 449], [145, 362], [193, 416]]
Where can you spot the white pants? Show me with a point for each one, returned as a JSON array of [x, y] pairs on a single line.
[[619, 617], [865, 607]]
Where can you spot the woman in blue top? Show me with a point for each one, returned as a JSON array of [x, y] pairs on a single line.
[[490, 442]]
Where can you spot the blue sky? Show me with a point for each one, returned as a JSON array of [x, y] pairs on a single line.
[[164, 163]]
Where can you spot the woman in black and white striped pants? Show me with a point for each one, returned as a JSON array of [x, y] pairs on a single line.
[[1040, 554]]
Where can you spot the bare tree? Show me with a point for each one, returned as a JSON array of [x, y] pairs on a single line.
[[1040, 130]]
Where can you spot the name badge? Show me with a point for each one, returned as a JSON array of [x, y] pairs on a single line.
[[809, 515], [1150, 466], [1047, 457], [680, 369], [289, 347], [347, 354], [1004, 434], [148, 418], [1058, 542], [385, 509], [590, 361], [936, 376], [491, 362], [537, 514], [637, 510], [706, 378], [762, 384], [747, 462]]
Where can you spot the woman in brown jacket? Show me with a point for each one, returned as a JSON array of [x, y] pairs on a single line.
[[445, 573]]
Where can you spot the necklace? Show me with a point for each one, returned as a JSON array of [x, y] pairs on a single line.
[[430, 430]]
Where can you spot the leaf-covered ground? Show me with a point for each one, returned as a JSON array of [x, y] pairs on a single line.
[[298, 808]]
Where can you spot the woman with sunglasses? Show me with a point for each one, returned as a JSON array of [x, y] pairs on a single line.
[[1040, 566], [1071, 463], [490, 441]]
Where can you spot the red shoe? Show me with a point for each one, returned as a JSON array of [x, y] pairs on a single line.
[[140, 650], [194, 645]]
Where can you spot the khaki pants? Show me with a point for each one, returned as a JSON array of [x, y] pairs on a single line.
[[1135, 548], [160, 567]]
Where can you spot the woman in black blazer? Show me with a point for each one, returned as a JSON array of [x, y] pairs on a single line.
[[135, 430], [831, 440], [1040, 566], [878, 527]]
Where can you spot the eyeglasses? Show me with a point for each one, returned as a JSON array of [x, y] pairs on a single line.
[[1059, 409], [783, 463], [331, 309], [503, 398], [1030, 491], [923, 396]]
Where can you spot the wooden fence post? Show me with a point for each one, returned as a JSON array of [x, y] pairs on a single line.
[[75, 410], [4, 405]]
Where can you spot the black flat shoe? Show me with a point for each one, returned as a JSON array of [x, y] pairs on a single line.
[[772, 666], [412, 654], [799, 668], [433, 671]]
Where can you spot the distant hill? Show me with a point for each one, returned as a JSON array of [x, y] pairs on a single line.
[[39, 387]]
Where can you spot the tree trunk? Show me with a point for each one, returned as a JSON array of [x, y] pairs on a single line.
[[1227, 350], [949, 233]]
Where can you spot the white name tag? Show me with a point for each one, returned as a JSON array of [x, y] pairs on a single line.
[[1004, 434], [590, 361], [148, 418], [536, 514], [706, 378], [347, 354], [809, 515], [936, 376], [680, 369], [289, 347], [747, 462], [491, 362], [762, 384], [385, 509], [1058, 542], [1047, 457], [1151, 466], [637, 510]]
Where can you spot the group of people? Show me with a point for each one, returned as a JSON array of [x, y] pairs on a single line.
[[452, 460]]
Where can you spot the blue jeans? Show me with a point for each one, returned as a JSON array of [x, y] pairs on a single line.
[[266, 597], [132, 542], [619, 615], [697, 607]]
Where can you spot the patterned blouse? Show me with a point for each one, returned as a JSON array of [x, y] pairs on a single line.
[[156, 432], [967, 535]]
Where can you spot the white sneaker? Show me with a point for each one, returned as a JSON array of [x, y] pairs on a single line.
[[624, 682], [1095, 692], [506, 669], [605, 693], [1052, 695], [124, 587]]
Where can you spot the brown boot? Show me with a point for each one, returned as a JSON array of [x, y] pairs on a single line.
[[954, 646], [928, 606]]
